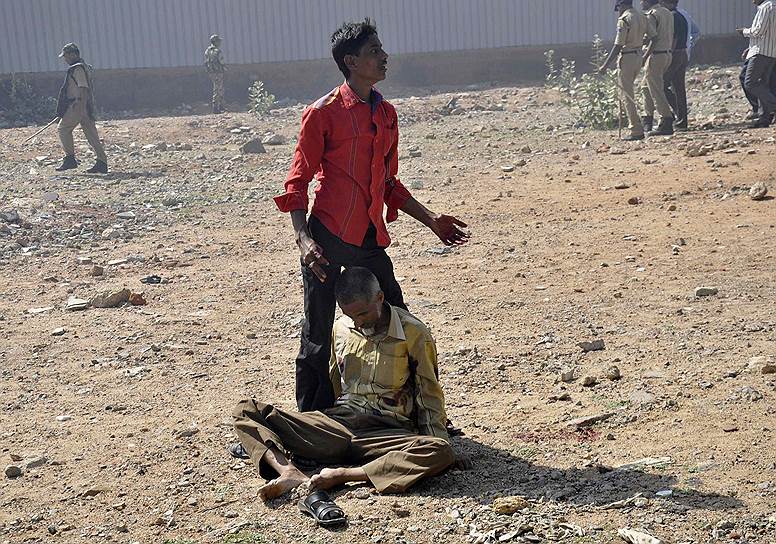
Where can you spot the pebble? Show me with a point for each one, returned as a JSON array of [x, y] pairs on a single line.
[[706, 291], [13, 471], [252, 147], [58, 331], [595, 345], [758, 191], [567, 376], [613, 373], [62, 419], [110, 299], [589, 381], [97, 271], [75, 304]]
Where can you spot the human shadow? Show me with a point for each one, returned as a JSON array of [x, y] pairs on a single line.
[[497, 471]]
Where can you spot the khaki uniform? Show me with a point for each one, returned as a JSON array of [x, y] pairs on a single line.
[[660, 29], [77, 114], [631, 27], [214, 64]]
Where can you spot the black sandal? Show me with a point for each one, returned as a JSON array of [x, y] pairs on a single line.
[[322, 509]]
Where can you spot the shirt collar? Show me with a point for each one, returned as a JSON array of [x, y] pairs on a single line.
[[395, 328], [350, 98]]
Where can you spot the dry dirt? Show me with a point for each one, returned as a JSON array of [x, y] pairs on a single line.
[[557, 256]]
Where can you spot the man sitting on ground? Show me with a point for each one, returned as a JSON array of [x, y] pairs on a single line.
[[389, 418]]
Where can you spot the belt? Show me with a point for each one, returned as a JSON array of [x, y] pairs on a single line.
[[629, 52], [660, 52]]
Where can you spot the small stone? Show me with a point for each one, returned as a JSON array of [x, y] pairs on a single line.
[[52, 529], [62, 419], [587, 421], [768, 368], [75, 304], [595, 345], [252, 147], [97, 271], [111, 299], [640, 398], [35, 462], [50, 196], [230, 514], [274, 139], [509, 505], [613, 373], [634, 200], [521, 163], [730, 428], [13, 471], [672, 208], [589, 381], [126, 215], [508, 168], [622, 185], [83, 260], [137, 299], [706, 291], [58, 332], [758, 191], [567, 376]]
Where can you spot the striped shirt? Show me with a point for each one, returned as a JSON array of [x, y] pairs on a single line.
[[392, 374], [762, 33]]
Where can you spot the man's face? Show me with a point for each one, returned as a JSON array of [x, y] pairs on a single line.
[[69, 58], [371, 63], [365, 313]]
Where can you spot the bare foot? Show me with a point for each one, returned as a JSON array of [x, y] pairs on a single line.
[[282, 484], [333, 477]]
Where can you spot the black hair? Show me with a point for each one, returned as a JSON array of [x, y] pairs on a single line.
[[356, 283], [348, 39]]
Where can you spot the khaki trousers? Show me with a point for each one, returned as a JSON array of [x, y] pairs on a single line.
[[395, 457], [218, 89], [653, 86], [629, 66], [74, 116]]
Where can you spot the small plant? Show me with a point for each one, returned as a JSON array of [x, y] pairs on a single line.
[[592, 97], [20, 105], [260, 101]]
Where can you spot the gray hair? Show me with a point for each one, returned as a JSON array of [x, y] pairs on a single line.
[[356, 283]]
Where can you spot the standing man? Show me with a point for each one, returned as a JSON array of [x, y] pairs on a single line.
[[631, 27], [675, 86], [761, 58], [348, 141], [755, 113], [214, 64], [657, 59], [75, 106]]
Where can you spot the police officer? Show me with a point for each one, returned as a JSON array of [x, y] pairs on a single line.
[[631, 27], [75, 106], [214, 64], [657, 59]]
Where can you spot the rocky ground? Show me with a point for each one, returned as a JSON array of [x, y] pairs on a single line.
[[115, 394]]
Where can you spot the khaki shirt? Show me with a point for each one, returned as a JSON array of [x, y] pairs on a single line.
[[392, 374], [631, 27], [78, 80], [660, 28]]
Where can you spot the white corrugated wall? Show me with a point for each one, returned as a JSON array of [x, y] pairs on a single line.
[[171, 33]]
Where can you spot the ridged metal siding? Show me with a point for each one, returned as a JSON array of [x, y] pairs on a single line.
[[172, 33]]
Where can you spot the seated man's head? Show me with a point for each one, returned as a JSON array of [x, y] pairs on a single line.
[[360, 298], [358, 52]]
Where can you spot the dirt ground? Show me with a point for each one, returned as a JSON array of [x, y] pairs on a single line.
[[119, 418]]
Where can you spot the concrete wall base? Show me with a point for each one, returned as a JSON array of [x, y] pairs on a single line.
[[168, 88]]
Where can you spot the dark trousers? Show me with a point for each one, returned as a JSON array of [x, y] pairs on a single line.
[[675, 84], [749, 96], [757, 80], [313, 387]]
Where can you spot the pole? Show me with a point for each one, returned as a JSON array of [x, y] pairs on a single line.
[[54, 120]]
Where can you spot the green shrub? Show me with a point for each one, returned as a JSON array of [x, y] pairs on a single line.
[[260, 101], [20, 105], [593, 98]]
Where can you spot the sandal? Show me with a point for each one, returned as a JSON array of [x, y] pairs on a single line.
[[237, 450], [322, 509]]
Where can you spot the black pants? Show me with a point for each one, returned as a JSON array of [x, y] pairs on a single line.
[[749, 96], [675, 85], [757, 80], [313, 387]]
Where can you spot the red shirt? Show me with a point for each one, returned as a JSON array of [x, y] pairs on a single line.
[[346, 144]]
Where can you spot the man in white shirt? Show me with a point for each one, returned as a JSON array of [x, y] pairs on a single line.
[[761, 59]]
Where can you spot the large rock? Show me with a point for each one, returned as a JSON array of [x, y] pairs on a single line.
[[274, 139], [758, 191], [252, 147]]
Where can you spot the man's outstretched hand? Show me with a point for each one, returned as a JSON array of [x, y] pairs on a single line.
[[446, 227]]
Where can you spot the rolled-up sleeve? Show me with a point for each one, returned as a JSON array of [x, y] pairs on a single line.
[[396, 194], [307, 160]]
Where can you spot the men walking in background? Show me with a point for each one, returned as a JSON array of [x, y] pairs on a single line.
[[214, 64], [675, 87], [657, 59], [761, 58], [631, 27], [755, 113], [75, 106]]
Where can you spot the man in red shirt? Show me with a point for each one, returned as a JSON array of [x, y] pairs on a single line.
[[348, 141]]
